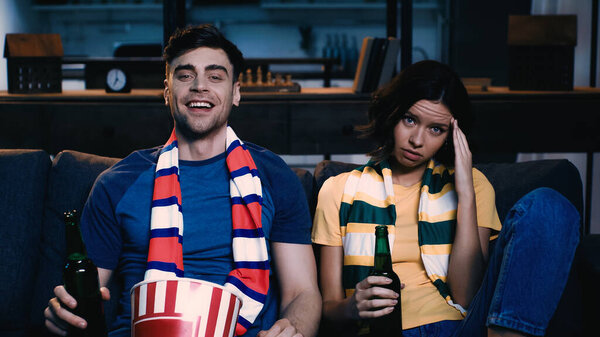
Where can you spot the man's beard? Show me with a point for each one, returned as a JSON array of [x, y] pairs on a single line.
[[187, 131], [191, 133]]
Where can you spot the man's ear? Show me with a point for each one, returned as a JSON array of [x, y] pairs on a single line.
[[166, 92], [236, 93]]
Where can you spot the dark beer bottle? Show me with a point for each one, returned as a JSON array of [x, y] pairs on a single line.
[[80, 277], [390, 324]]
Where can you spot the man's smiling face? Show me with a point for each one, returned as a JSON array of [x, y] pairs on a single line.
[[200, 91]]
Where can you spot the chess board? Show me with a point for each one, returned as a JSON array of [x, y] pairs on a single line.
[[293, 87], [255, 82]]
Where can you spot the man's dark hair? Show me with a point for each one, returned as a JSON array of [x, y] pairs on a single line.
[[429, 80], [206, 35]]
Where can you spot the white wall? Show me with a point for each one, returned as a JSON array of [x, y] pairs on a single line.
[[583, 9], [18, 18]]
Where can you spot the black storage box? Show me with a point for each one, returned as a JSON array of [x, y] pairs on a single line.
[[541, 51], [34, 63]]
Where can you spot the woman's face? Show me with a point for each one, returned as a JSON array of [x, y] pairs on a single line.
[[420, 133]]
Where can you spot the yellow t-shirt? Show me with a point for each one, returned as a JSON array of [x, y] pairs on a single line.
[[421, 301]]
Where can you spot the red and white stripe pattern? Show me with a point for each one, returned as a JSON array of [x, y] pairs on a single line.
[[250, 278], [183, 308], [165, 252]]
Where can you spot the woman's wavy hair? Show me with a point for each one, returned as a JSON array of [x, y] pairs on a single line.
[[429, 80]]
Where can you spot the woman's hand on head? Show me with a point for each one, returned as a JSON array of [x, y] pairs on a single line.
[[463, 162], [370, 301]]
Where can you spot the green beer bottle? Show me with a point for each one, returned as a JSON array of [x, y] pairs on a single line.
[[390, 324], [80, 277]]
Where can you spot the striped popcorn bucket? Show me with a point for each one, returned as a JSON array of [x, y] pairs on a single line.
[[183, 308]]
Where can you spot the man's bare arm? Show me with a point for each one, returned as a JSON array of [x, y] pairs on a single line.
[[300, 298]]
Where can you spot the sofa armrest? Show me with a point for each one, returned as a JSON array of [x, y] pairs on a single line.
[[71, 178], [23, 177]]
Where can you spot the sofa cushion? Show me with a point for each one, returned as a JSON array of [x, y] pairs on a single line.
[[308, 184], [329, 168], [71, 178], [512, 181], [23, 175]]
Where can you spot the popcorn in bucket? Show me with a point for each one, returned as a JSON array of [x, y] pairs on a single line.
[[183, 307]]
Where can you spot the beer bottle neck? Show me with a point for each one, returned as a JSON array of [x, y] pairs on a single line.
[[75, 246], [383, 258]]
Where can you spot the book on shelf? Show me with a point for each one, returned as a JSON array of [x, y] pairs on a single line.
[[388, 67], [361, 67], [376, 64]]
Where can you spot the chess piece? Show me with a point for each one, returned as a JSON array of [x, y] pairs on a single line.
[[288, 80], [241, 78], [278, 81], [249, 77], [269, 79], [259, 81]]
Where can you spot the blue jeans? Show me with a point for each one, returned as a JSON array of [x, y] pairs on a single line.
[[527, 270]]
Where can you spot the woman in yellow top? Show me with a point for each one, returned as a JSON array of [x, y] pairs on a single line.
[[441, 216]]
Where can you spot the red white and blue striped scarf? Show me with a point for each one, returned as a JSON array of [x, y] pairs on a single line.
[[250, 278]]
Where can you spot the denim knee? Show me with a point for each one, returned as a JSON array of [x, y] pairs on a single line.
[[537, 245], [561, 217]]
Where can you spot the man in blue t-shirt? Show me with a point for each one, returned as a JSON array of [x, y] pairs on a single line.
[[201, 86]]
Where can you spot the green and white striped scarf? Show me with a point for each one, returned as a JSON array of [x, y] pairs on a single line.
[[368, 201]]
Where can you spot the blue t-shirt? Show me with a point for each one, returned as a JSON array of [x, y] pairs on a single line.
[[115, 222]]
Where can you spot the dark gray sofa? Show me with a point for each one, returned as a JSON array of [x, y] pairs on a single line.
[[37, 189], [578, 309], [36, 192]]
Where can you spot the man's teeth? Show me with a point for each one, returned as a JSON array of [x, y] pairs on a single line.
[[200, 105]]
